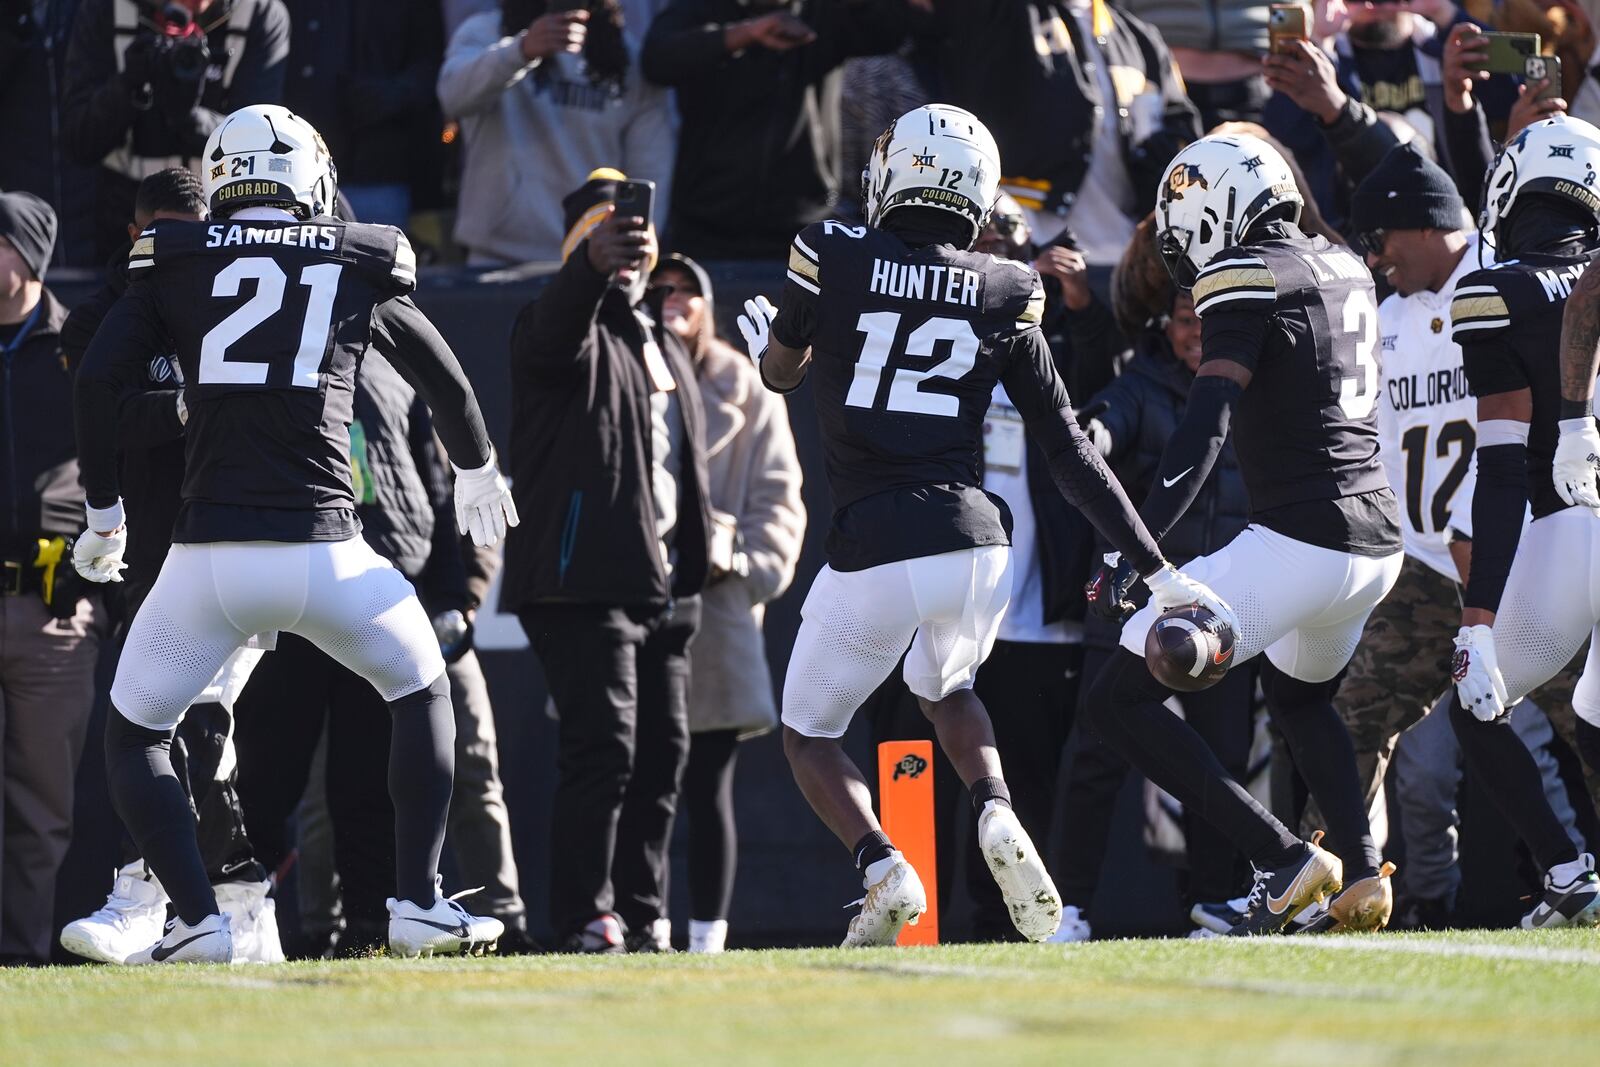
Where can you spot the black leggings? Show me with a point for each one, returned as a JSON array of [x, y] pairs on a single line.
[[713, 834]]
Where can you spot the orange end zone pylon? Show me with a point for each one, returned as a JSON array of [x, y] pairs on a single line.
[[905, 797]]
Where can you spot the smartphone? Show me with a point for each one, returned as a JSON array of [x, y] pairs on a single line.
[[1286, 23], [636, 199], [1543, 68], [1508, 52]]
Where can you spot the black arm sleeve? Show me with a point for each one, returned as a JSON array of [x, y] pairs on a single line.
[[128, 337], [402, 334], [1190, 452], [1079, 473], [1471, 151], [1498, 504], [148, 417]]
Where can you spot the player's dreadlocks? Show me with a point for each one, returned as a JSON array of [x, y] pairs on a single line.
[[604, 51]]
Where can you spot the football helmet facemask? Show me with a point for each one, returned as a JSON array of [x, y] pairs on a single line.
[[1559, 156], [933, 156], [266, 155], [1213, 192]]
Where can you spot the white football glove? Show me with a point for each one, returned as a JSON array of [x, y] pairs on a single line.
[[1171, 588], [484, 507], [1577, 463], [756, 325], [98, 557], [1479, 683]]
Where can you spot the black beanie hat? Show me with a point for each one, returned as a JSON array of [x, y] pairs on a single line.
[[1406, 191], [578, 207], [30, 225]]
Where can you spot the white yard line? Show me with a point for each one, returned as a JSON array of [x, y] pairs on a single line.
[[1395, 943]]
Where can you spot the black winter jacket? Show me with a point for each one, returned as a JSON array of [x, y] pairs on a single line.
[[580, 453], [39, 491], [1041, 108], [1143, 409], [759, 153]]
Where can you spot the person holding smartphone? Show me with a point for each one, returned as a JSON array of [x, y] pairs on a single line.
[[608, 453]]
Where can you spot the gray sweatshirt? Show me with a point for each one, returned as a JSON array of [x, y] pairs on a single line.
[[531, 141]]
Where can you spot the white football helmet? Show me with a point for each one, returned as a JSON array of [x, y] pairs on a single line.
[[933, 156], [265, 154], [1559, 156], [1214, 191]]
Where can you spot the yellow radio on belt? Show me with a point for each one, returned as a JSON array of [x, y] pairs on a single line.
[[51, 554]]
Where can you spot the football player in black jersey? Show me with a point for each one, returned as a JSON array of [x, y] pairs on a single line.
[[907, 333], [1289, 333], [270, 307], [1533, 596]]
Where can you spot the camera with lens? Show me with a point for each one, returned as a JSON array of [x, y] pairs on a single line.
[[187, 53]]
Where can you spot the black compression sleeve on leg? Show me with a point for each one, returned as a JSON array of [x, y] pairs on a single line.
[[1326, 758], [422, 767], [1125, 709], [1589, 743], [153, 806], [1502, 763]]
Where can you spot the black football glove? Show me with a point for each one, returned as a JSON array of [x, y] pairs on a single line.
[[1107, 591]]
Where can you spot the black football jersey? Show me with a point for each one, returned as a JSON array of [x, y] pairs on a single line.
[[1300, 313], [1507, 320], [907, 345], [269, 321]]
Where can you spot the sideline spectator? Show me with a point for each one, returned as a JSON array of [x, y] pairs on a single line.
[[1218, 46], [47, 650], [1084, 102], [33, 52], [608, 452], [758, 86], [362, 72], [546, 91], [147, 82], [759, 521]]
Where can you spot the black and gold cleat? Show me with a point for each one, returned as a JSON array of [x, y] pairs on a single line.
[[1283, 892]]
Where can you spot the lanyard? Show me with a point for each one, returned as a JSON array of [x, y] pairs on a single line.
[[22, 334]]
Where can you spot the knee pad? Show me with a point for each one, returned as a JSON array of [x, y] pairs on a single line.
[[1287, 694]]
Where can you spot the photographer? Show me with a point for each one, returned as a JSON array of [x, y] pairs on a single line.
[[49, 636], [147, 82], [608, 452]]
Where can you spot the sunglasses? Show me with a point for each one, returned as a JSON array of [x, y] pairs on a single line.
[[1007, 225], [1373, 241]]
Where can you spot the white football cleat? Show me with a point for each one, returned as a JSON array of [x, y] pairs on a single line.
[[208, 941], [891, 902], [130, 920], [708, 935], [1031, 896], [1074, 927], [253, 917], [446, 929], [1571, 897]]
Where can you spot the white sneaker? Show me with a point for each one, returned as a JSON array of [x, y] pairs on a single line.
[[253, 916], [131, 919], [208, 941], [895, 899], [446, 929], [708, 935], [1030, 894], [1074, 927], [1571, 896]]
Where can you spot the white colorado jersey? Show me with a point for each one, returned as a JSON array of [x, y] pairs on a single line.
[[1427, 420]]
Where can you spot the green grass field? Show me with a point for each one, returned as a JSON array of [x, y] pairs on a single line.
[[1467, 998]]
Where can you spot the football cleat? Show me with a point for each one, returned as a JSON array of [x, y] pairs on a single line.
[[208, 941], [445, 929], [891, 903], [602, 934], [1031, 896], [131, 919], [253, 917], [1571, 897], [1281, 893], [657, 937], [1364, 905], [1074, 927], [1218, 918]]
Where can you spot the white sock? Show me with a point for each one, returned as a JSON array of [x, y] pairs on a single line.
[[878, 868], [1567, 873], [708, 935]]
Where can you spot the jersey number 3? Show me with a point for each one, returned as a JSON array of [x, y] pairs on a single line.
[[882, 329], [322, 279], [1358, 393]]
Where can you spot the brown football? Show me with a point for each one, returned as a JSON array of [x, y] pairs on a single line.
[[1189, 649]]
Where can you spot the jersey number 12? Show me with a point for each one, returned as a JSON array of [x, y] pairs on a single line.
[[882, 329], [322, 279]]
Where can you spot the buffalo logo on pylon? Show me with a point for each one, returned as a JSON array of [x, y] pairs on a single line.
[[911, 766]]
